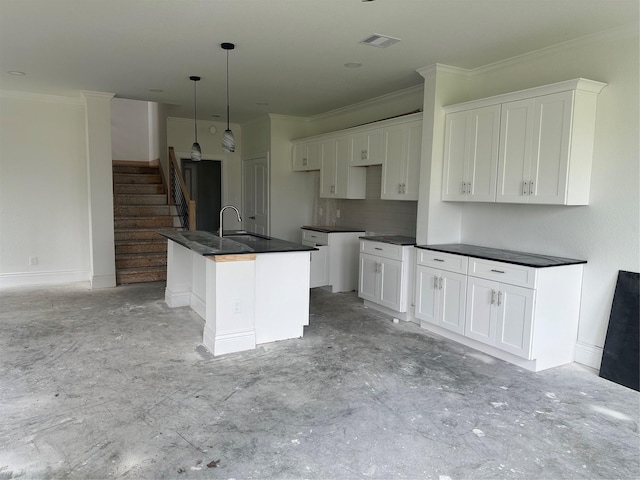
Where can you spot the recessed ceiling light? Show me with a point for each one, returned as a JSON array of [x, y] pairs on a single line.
[[353, 64], [380, 41], [156, 90], [16, 73]]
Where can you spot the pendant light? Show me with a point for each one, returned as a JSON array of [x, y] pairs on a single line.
[[196, 152], [228, 142]]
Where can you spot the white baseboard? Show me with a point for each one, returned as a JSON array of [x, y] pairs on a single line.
[[588, 355], [198, 305], [176, 299], [229, 343], [24, 279], [103, 281]]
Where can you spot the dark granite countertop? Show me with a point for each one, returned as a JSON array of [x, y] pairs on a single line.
[[500, 255], [394, 239], [233, 242], [328, 229]]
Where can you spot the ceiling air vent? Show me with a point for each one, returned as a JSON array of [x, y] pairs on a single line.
[[380, 41]]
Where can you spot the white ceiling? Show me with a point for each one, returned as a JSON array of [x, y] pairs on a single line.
[[289, 53]]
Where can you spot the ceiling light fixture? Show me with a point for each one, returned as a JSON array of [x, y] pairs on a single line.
[[196, 152], [16, 73], [353, 64], [228, 142]]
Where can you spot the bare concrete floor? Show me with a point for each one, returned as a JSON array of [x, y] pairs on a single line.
[[113, 384]]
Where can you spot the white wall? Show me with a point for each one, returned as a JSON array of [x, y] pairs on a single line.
[[606, 233], [43, 190], [134, 132], [180, 136]]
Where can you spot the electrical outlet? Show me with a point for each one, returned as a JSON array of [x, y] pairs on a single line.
[[235, 306], [33, 261]]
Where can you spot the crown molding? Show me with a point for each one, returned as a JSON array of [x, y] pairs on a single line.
[[40, 97], [90, 94], [419, 89], [626, 31], [440, 68]]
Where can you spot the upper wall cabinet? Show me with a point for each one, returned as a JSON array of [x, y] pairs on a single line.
[[394, 143], [401, 161], [307, 156], [471, 155], [544, 146]]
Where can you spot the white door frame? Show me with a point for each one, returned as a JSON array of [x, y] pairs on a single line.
[[266, 156]]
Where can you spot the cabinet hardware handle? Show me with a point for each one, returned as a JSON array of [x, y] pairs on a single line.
[[363, 155], [464, 188], [304, 161], [377, 248], [440, 283], [438, 260], [524, 188], [531, 191], [499, 298], [252, 218], [497, 271], [435, 283], [493, 297], [469, 188]]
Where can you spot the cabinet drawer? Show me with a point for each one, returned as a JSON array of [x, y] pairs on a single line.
[[444, 261], [320, 238], [386, 250], [503, 272]]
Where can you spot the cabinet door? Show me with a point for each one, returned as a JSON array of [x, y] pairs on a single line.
[[368, 277], [453, 303], [366, 148], [319, 267], [514, 320], [328, 169], [411, 165], [550, 155], [514, 158], [391, 284], [456, 145], [306, 156], [393, 158], [480, 322], [482, 165], [351, 182], [427, 294]]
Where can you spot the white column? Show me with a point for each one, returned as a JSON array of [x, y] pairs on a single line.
[[99, 171]]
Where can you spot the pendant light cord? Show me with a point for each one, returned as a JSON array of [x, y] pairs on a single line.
[[195, 110], [227, 89]]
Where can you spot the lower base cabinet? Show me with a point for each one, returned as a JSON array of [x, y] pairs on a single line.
[[524, 315]]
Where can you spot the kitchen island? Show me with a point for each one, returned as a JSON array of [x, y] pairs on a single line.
[[249, 289]]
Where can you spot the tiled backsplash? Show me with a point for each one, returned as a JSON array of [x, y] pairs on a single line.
[[382, 217]]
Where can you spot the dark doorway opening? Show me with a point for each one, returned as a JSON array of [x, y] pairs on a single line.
[[204, 182]]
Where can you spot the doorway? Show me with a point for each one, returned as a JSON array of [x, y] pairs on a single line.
[[204, 183], [255, 194]]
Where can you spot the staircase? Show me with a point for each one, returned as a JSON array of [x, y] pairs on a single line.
[[141, 209]]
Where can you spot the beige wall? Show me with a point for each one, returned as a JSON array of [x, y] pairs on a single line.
[[606, 233], [43, 190]]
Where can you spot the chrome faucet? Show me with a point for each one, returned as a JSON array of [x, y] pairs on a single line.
[[221, 212]]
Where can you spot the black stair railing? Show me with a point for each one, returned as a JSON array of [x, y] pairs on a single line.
[[179, 196]]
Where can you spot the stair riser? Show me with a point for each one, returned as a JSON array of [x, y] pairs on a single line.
[[141, 200], [139, 189], [140, 277], [144, 222], [133, 179], [142, 261], [143, 211], [131, 169], [142, 248], [142, 235]]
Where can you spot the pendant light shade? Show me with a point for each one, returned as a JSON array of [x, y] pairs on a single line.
[[228, 141], [196, 152]]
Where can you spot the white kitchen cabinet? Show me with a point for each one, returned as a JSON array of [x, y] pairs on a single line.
[[335, 264], [441, 298], [306, 156], [500, 315], [384, 276], [471, 155], [545, 146], [401, 161], [522, 314], [337, 178], [365, 147]]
